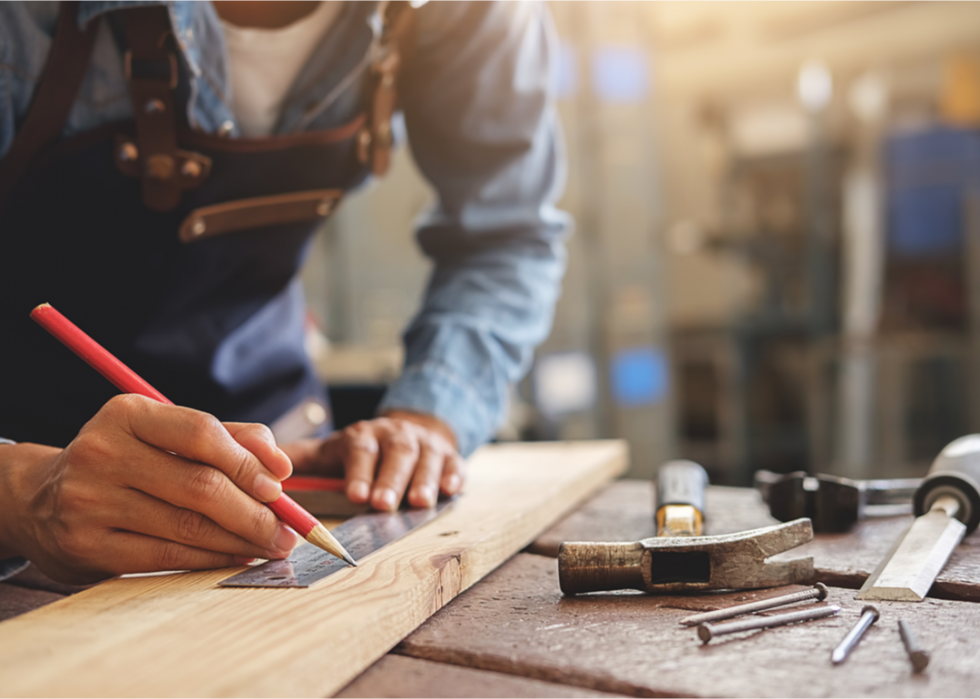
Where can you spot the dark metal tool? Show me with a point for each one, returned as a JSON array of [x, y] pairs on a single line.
[[817, 593], [675, 564], [708, 631], [869, 615], [360, 535], [947, 508], [834, 504], [918, 656]]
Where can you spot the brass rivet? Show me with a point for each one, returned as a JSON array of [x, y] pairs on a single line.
[[364, 138], [154, 106], [226, 128], [323, 208], [128, 152], [160, 167], [191, 169], [315, 414], [199, 226]]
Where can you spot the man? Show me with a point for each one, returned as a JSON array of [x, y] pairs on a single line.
[[162, 170]]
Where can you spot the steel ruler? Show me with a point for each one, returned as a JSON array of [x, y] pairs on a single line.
[[360, 535]]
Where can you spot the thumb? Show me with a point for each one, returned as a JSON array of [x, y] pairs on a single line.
[[321, 457]]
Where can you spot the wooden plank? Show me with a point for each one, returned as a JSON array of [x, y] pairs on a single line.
[[400, 676], [624, 511], [181, 635], [15, 600], [516, 621]]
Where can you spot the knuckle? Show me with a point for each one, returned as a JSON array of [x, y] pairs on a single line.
[[124, 403], [206, 484], [189, 526], [243, 465], [204, 429], [360, 430], [365, 444], [167, 556], [401, 444], [261, 527], [90, 448]]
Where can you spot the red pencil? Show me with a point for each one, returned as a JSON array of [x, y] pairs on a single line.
[[127, 381]]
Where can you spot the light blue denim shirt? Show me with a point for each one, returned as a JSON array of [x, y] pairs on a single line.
[[479, 110]]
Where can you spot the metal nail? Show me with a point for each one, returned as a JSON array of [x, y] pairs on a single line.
[[708, 631], [869, 615], [817, 592], [918, 656]]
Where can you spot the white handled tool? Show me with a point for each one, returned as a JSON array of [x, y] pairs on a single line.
[[948, 508]]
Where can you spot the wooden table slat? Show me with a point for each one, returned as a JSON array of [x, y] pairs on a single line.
[[401, 676], [517, 621]]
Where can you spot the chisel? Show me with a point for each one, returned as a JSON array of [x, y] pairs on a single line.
[[947, 505]]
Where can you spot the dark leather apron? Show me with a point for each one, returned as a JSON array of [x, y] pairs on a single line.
[[177, 250]]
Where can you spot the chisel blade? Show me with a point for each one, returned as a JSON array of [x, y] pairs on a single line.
[[910, 568]]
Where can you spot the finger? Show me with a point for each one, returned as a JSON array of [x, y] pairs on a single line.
[[206, 490], [425, 482], [321, 457], [399, 456], [259, 440], [195, 436], [142, 514], [360, 448], [126, 552], [453, 474]]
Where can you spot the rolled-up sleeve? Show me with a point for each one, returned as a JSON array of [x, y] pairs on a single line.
[[479, 108]]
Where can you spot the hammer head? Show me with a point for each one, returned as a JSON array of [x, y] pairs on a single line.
[[684, 564]]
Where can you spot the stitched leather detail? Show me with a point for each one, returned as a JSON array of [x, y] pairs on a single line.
[[258, 212]]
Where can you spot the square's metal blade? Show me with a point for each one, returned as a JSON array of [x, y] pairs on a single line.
[[360, 535], [918, 556]]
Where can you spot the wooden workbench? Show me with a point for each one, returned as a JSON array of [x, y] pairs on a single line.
[[514, 634]]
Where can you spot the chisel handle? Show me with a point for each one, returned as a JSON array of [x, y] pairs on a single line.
[[681, 484], [956, 473]]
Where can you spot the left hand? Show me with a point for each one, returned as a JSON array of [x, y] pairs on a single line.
[[380, 458]]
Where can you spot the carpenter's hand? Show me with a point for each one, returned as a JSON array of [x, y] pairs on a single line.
[[144, 487], [384, 456]]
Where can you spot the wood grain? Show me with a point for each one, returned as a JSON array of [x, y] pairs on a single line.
[[516, 621], [181, 635], [624, 511], [399, 676]]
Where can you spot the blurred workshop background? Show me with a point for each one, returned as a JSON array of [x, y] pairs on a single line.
[[776, 261]]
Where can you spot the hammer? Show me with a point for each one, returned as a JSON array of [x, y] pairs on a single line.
[[678, 559]]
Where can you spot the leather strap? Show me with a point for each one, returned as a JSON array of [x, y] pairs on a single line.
[[376, 141], [63, 74], [151, 69]]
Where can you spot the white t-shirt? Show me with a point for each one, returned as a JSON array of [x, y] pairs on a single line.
[[264, 63]]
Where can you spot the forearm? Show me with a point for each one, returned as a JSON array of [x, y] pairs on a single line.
[[481, 319], [483, 129]]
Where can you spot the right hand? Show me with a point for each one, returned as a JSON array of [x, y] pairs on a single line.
[[144, 487]]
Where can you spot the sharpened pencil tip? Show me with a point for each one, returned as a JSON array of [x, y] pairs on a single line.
[[350, 561]]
